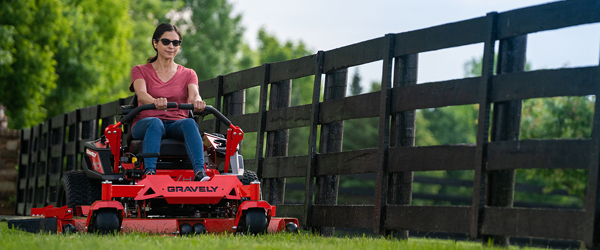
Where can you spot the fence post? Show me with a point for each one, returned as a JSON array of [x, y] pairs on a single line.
[[403, 134], [312, 143], [56, 144], [23, 176], [506, 121], [331, 142], [479, 180], [234, 104], [277, 141], [381, 182], [592, 201]]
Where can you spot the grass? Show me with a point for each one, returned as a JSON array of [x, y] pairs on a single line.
[[14, 239]]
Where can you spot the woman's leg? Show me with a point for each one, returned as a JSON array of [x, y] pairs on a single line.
[[187, 130], [150, 129]]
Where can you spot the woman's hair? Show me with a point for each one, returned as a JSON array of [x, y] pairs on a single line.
[[160, 30]]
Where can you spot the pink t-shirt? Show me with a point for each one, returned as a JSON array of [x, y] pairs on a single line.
[[175, 90]]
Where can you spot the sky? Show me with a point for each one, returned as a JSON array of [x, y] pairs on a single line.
[[330, 24]]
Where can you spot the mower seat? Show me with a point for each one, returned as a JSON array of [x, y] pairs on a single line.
[[168, 147]]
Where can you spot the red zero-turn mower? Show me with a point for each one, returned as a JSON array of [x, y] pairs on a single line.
[[112, 193]]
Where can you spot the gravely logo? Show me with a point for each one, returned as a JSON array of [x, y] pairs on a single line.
[[209, 189], [90, 153], [96, 163]]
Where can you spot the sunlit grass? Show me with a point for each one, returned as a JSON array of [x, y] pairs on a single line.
[[14, 239]]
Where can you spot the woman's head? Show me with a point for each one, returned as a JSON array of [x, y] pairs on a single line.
[[169, 34]]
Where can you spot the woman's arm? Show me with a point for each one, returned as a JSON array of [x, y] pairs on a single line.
[[194, 98], [142, 94]]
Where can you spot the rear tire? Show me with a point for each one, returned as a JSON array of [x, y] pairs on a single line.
[[74, 189], [256, 221], [249, 177]]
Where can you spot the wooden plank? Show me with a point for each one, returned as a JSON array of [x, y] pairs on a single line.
[[243, 79], [547, 17], [291, 69], [286, 118], [342, 216], [250, 164], [247, 122], [592, 202], [450, 219], [349, 162], [539, 154], [284, 166], [207, 125], [209, 88], [441, 37], [349, 108], [545, 83], [483, 125], [385, 111], [58, 121], [311, 163], [261, 120], [293, 211], [70, 148], [531, 222], [89, 113], [444, 157], [110, 109], [436, 94], [352, 55]]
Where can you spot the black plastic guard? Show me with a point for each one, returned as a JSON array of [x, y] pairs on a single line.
[[35, 225]]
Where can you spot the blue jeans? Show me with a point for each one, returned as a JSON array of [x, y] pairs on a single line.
[[152, 130]]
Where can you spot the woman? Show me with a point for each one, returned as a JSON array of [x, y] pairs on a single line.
[[159, 81]]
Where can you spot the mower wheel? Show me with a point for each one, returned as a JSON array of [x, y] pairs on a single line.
[[249, 177], [107, 221], [291, 227], [68, 228], [256, 221], [185, 229], [199, 228], [74, 189]]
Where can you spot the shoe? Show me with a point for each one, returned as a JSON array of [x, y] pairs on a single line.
[[150, 172], [201, 176]]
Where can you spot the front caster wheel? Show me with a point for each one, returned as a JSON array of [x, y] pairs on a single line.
[[107, 221], [256, 221]]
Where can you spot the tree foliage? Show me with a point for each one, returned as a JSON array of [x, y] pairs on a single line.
[[211, 37], [271, 49], [552, 118], [29, 31], [94, 57], [59, 55]]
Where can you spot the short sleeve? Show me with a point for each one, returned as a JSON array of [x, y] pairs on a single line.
[[193, 78], [136, 73]]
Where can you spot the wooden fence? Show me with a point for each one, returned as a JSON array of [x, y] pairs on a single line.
[[56, 145]]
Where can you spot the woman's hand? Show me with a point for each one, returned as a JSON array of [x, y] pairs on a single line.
[[199, 106], [160, 103]]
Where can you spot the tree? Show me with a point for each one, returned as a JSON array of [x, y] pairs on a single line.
[[146, 15], [94, 58], [355, 88], [270, 50], [29, 30], [212, 37], [552, 118]]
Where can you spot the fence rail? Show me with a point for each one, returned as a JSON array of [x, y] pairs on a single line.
[[55, 146]]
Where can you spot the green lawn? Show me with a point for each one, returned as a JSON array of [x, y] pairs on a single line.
[[14, 239]]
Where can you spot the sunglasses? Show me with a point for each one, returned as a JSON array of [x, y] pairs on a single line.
[[166, 42]]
